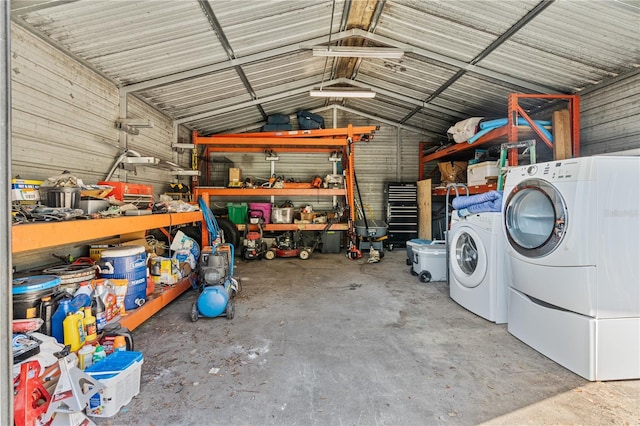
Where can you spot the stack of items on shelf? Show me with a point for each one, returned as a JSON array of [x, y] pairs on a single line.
[[280, 213], [67, 329], [64, 364], [65, 197], [472, 129]]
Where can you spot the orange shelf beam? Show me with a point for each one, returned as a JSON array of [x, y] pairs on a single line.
[[267, 192], [212, 148], [35, 236], [341, 132], [281, 227], [269, 142], [475, 189], [158, 300]]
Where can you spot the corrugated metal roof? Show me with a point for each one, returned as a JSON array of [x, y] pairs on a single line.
[[174, 56]]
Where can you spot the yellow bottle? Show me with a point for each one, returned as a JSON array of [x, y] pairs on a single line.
[[73, 331], [90, 325]]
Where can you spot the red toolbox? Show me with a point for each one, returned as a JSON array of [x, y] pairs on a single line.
[[134, 193]]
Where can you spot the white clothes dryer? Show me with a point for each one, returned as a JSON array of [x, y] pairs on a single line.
[[572, 229], [477, 266]]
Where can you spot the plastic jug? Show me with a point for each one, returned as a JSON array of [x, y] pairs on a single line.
[[74, 331], [66, 307], [90, 325], [85, 356]]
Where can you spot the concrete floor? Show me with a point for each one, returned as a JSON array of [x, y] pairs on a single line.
[[330, 341]]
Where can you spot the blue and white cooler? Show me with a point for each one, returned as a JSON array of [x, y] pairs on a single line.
[[127, 262]]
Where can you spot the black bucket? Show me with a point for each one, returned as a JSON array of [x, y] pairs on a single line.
[[28, 293]]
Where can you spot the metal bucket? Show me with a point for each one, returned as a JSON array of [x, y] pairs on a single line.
[[71, 276], [64, 196]]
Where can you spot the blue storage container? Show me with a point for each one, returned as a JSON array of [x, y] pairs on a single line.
[[120, 374], [114, 363], [127, 262]]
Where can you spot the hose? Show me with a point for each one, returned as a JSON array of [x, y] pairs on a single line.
[[210, 221]]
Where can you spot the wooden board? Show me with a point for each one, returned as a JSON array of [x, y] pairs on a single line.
[[562, 135], [424, 209]]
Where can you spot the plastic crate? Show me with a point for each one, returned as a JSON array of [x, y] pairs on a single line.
[[219, 171], [237, 212], [120, 373], [431, 260]]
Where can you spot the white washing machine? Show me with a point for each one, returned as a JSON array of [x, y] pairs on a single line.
[[573, 235], [477, 266]]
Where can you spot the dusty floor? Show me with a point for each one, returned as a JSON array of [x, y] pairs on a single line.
[[330, 341]]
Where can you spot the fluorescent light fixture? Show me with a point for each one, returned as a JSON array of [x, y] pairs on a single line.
[[342, 92], [358, 52]]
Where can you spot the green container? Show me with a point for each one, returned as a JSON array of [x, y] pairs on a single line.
[[237, 212]]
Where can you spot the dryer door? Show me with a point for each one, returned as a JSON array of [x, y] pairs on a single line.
[[535, 218], [467, 257]]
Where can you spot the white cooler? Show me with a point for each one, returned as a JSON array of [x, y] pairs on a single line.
[[430, 261]]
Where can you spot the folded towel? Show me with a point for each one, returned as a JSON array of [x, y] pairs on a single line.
[[465, 201], [487, 206]]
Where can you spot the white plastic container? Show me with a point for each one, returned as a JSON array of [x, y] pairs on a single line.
[[430, 262], [120, 373], [477, 173], [414, 243]]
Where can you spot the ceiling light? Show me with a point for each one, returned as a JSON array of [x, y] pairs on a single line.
[[342, 92], [358, 52]]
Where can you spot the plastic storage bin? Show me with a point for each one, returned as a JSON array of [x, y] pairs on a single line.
[[477, 174], [282, 215], [265, 208], [237, 212], [120, 373], [414, 243], [430, 262]]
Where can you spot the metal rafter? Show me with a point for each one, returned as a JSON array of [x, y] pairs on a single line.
[[493, 46], [215, 24], [303, 89]]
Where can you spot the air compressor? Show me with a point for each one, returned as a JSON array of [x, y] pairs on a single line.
[[216, 283]]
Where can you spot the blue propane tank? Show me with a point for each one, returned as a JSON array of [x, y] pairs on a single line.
[[213, 300]]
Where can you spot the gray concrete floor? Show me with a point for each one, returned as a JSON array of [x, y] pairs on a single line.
[[330, 341]]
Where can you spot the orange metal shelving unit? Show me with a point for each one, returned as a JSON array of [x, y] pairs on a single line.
[[37, 236], [296, 141], [509, 133]]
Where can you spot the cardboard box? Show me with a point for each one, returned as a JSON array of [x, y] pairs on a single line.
[[477, 174], [453, 171], [25, 191], [235, 175]]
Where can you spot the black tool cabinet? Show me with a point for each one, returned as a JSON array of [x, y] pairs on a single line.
[[402, 213]]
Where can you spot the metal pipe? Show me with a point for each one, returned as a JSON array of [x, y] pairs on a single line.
[[6, 356]]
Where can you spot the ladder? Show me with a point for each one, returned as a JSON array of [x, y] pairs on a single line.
[[502, 163]]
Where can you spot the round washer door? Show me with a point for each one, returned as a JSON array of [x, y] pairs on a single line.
[[467, 257], [535, 218]]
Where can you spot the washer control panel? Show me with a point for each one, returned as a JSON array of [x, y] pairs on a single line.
[[561, 170]]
